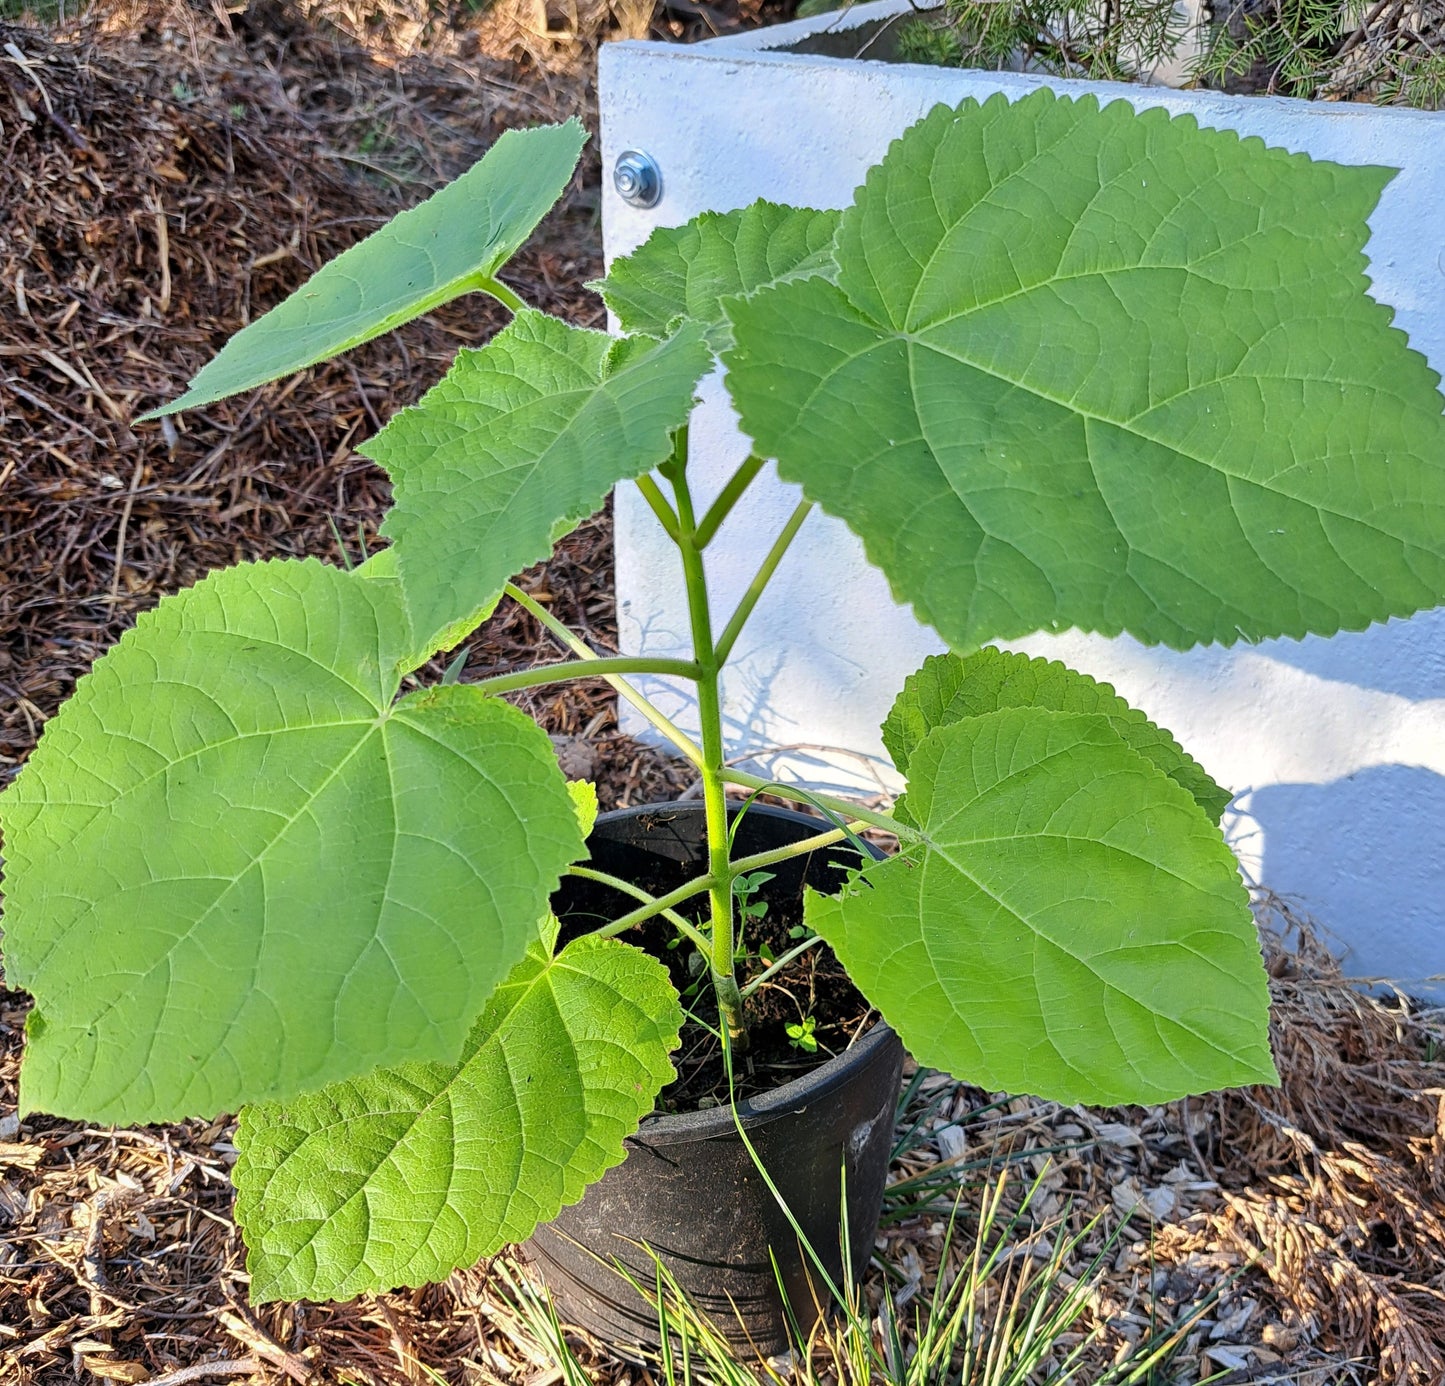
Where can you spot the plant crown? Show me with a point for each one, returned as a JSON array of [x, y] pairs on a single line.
[[1057, 366]]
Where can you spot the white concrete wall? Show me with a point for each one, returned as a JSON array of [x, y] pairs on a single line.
[[1336, 747]]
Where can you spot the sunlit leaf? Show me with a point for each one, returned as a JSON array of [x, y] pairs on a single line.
[[950, 687], [422, 258], [1070, 923], [403, 1176], [1089, 368], [237, 869]]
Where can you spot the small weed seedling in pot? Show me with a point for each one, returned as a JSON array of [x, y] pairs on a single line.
[[1057, 366]]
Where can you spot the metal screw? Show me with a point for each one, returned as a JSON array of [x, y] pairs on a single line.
[[637, 178]]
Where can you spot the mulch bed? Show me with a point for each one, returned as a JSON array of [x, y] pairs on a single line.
[[167, 174], [160, 190]]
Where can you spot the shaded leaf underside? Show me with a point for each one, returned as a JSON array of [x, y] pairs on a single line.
[[949, 688]]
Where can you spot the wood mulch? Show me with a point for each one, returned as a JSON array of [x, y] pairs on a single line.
[[167, 173]]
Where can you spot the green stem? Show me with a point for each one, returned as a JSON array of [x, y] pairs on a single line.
[[586, 873], [709, 709], [841, 807], [755, 588], [666, 516], [579, 647], [718, 511], [781, 963], [502, 294], [696, 886], [587, 669], [796, 849]]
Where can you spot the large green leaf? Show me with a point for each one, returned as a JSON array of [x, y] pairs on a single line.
[[521, 441], [449, 245], [687, 271], [950, 687], [237, 870], [400, 1177], [1089, 368], [1069, 925]]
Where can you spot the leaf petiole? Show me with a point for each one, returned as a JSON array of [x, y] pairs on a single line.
[[797, 849], [586, 873], [579, 647], [841, 807], [686, 891], [728, 497], [508, 298], [780, 964], [755, 588], [666, 515], [568, 669]]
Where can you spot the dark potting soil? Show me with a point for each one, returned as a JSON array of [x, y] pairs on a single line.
[[813, 986]]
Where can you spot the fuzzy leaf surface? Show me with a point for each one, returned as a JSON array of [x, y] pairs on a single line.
[[949, 688], [402, 1176], [236, 869], [687, 271], [420, 259], [1089, 368], [1071, 924], [520, 442]]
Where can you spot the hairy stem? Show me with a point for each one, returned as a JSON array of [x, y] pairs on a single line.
[[755, 588], [796, 849], [499, 291], [579, 647], [718, 511], [643, 913], [587, 669], [781, 963]]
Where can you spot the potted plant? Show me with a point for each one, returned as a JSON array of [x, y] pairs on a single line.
[[1057, 365], [1340, 808]]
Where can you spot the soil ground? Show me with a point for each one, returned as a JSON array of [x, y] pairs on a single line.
[[168, 172]]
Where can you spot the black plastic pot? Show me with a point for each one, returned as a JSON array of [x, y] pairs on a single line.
[[689, 1189]]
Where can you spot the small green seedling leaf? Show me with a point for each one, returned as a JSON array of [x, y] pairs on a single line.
[[1089, 368], [237, 868], [950, 687], [802, 1035], [685, 272], [451, 244], [519, 443], [402, 1176], [1070, 923]]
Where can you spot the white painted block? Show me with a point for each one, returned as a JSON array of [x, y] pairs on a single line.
[[1336, 747]]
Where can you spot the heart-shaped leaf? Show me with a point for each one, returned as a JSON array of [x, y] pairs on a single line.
[[950, 687], [685, 272], [519, 443], [236, 869], [1069, 923], [1089, 368]]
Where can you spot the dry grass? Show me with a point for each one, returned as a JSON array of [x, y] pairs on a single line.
[[1259, 1214]]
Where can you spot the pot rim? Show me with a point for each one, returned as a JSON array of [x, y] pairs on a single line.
[[710, 1123]]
